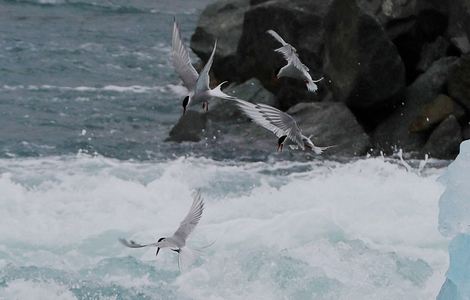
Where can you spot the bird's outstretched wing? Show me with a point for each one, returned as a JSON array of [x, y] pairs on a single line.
[[277, 37], [290, 54], [181, 60], [278, 122], [132, 244], [191, 219], [202, 83]]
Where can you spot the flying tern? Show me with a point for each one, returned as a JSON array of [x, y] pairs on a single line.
[[294, 68], [177, 242], [280, 123], [197, 84]]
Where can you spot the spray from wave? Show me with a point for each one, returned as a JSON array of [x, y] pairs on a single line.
[[324, 230]]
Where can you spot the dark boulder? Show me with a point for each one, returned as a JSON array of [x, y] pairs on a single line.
[[445, 140], [396, 131], [432, 52], [436, 111], [363, 64], [299, 22], [190, 127], [331, 123], [221, 20], [459, 81], [459, 24]]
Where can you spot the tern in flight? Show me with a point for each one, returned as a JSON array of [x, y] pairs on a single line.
[[177, 242], [294, 68], [197, 84], [280, 123]]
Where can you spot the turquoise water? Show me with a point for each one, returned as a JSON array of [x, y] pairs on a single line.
[[87, 97]]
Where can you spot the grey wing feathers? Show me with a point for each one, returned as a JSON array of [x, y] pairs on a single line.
[[278, 122], [289, 53], [181, 60], [277, 37], [203, 80], [132, 244], [192, 218]]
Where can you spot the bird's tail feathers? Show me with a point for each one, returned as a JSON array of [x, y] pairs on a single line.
[[186, 258], [311, 86], [320, 150], [217, 92]]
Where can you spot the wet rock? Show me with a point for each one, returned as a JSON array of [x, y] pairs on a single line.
[[436, 111], [395, 130], [431, 52], [361, 61], [331, 123], [189, 127], [459, 24], [299, 22], [445, 140], [459, 81], [221, 20]]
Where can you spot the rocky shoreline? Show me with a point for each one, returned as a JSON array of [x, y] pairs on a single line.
[[397, 72]]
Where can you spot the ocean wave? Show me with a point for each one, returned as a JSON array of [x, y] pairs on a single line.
[[323, 230], [138, 89], [107, 6]]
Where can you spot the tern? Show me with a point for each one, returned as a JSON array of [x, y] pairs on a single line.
[[294, 68], [177, 242], [197, 84], [280, 123]]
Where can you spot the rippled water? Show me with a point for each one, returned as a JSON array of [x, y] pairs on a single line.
[[87, 97]]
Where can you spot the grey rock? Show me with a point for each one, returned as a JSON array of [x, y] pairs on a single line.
[[459, 24], [436, 111], [395, 130], [189, 127], [332, 123], [431, 52], [221, 20], [299, 22], [445, 140], [459, 81], [361, 61]]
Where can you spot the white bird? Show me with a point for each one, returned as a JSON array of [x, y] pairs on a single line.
[[177, 242], [197, 84], [294, 68], [280, 123]]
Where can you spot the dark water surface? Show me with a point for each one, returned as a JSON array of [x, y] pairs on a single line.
[[90, 76]]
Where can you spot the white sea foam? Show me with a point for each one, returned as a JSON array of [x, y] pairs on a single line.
[[31, 290], [361, 230], [138, 89]]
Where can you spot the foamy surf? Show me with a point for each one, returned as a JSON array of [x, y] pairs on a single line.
[[286, 230]]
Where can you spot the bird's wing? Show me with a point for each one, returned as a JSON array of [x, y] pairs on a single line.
[[132, 244], [289, 53], [191, 219], [278, 122], [277, 37], [181, 60], [202, 83]]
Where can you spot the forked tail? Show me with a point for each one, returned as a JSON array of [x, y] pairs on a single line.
[[217, 92], [187, 256], [311, 86]]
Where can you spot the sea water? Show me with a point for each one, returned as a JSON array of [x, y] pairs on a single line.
[[87, 97]]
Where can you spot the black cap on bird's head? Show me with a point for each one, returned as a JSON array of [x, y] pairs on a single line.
[[185, 104], [280, 143], [158, 248]]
